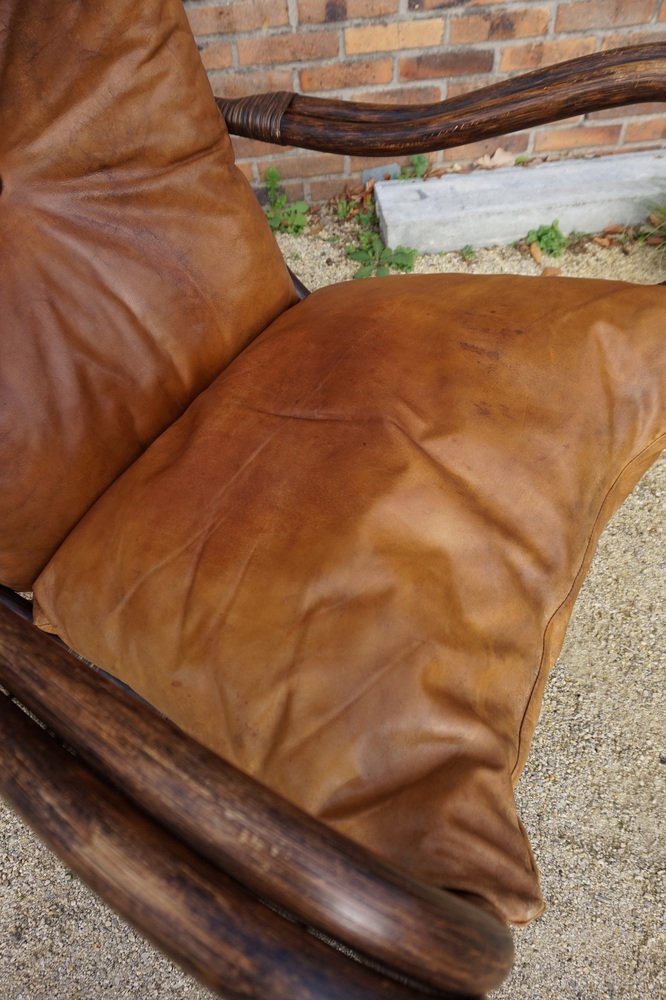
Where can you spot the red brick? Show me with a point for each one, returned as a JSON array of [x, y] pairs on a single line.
[[538, 54], [571, 122], [417, 5], [248, 170], [399, 95], [446, 64], [615, 39], [585, 14], [288, 48], [360, 163], [294, 190], [516, 143], [217, 55], [243, 84], [646, 131], [332, 11], [551, 139], [306, 165], [333, 187], [238, 16], [509, 24], [394, 36], [246, 149], [662, 12], [339, 76], [468, 85], [628, 111]]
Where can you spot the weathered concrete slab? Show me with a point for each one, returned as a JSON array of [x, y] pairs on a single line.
[[495, 207]]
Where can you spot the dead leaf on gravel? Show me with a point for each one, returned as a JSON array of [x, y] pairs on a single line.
[[536, 252]]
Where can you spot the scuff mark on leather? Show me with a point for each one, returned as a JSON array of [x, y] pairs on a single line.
[[475, 349]]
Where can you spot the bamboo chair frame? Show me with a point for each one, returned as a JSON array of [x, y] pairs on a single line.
[[245, 891]]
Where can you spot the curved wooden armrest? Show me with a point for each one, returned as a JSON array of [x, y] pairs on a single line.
[[590, 83], [210, 925], [273, 849]]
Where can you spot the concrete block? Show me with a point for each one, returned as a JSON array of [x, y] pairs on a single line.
[[498, 207]]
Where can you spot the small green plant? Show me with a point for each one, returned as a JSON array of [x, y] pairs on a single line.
[[549, 239], [344, 208], [468, 253], [378, 260], [370, 252], [368, 220], [283, 216], [419, 164], [521, 160]]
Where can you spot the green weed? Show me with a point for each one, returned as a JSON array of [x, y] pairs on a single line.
[[419, 164], [375, 258], [344, 208], [549, 239], [283, 216]]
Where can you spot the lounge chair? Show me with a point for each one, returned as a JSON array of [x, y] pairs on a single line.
[[330, 542]]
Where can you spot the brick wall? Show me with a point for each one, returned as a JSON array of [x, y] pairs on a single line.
[[417, 51]]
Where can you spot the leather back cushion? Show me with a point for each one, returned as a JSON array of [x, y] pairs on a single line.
[[349, 566], [135, 260]]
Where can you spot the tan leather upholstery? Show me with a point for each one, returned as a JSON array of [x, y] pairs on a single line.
[[135, 260], [349, 566]]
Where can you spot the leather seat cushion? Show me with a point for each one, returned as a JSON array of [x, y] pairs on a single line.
[[135, 260], [349, 566]]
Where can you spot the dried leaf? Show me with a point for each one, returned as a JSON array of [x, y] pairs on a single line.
[[536, 252], [500, 158], [551, 272], [602, 241]]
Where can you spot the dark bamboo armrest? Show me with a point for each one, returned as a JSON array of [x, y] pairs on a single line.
[[242, 829], [199, 916], [591, 83]]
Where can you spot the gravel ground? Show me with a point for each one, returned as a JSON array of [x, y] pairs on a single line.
[[320, 259], [592, 795]]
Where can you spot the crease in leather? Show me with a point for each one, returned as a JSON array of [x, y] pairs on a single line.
[[474, 501], [300, 740], [365, 804]]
